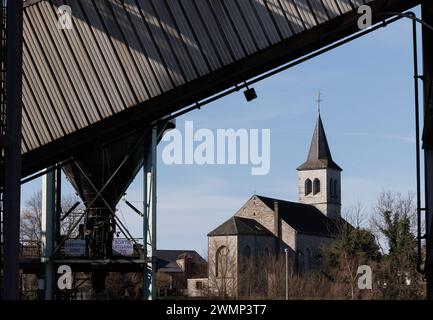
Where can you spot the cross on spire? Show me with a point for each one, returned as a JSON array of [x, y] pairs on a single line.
[[319, 100]]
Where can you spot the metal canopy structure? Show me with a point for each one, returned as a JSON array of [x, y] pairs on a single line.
[[132, 61]]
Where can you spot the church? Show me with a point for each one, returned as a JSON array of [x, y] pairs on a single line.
[[265, 227]]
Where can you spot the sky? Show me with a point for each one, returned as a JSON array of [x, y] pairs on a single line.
[[367, 88]]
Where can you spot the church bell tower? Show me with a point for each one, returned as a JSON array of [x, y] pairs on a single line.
[[319, 178]]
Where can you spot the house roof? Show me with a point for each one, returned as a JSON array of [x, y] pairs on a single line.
[[166, 259], [237, 225], [319, 156], [304, 218]]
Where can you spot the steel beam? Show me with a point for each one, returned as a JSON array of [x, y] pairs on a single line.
[[48, 232], [427, 16], [149, 217], [12, 169]]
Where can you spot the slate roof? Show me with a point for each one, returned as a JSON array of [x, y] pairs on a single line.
[[319, 156], [166, 259], [304, 218], [237, 225]]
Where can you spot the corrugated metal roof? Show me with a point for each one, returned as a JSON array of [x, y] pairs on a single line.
[[125, 54]]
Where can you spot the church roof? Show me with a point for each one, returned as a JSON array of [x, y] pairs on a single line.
[[304, 218], [237, 225], [319, 156]]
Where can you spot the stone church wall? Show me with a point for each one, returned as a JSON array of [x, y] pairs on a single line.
[[330, 207], [288, 235], [257, 210], [225, 283], [256, 255], [310, 246]]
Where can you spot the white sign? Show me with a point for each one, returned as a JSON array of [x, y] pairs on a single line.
[[123, 247], [75, 247]]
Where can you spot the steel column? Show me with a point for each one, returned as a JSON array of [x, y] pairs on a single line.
[[427, 16], [12, 167], [48, 224], [149, 217], [58, 202], [147, 268], [417, 145]]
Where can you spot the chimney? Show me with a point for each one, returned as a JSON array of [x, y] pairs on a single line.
[[277, 224]]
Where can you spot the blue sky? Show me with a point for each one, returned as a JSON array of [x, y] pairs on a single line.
[[367, 88]]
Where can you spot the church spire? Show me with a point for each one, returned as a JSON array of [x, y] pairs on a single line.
[[319, 182], [319, 156]]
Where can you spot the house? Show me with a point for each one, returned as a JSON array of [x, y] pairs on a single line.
[[175, 267]]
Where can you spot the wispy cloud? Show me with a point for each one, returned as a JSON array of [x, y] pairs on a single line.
[[254, 119], [385, 136]]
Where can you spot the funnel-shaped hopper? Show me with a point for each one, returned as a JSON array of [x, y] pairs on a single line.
[[101, 175], [109, 168]]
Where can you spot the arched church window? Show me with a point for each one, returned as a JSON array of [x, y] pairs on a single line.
[[316, 186], [267, 254], [266, 262], [246, 259], [331, 188], [307, 259], [300, 264], [221, 261], [308, 187], [336, 188], [246, 253]]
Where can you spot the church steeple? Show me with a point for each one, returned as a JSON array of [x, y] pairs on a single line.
[[320, 177], [319, 156]]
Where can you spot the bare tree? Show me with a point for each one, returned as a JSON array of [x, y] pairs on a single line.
[[309, 285], [31, 217], [222, 271], [394, 220], [352, 247], [30, 233], [356, 215], [274, 268], [124, 286]]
